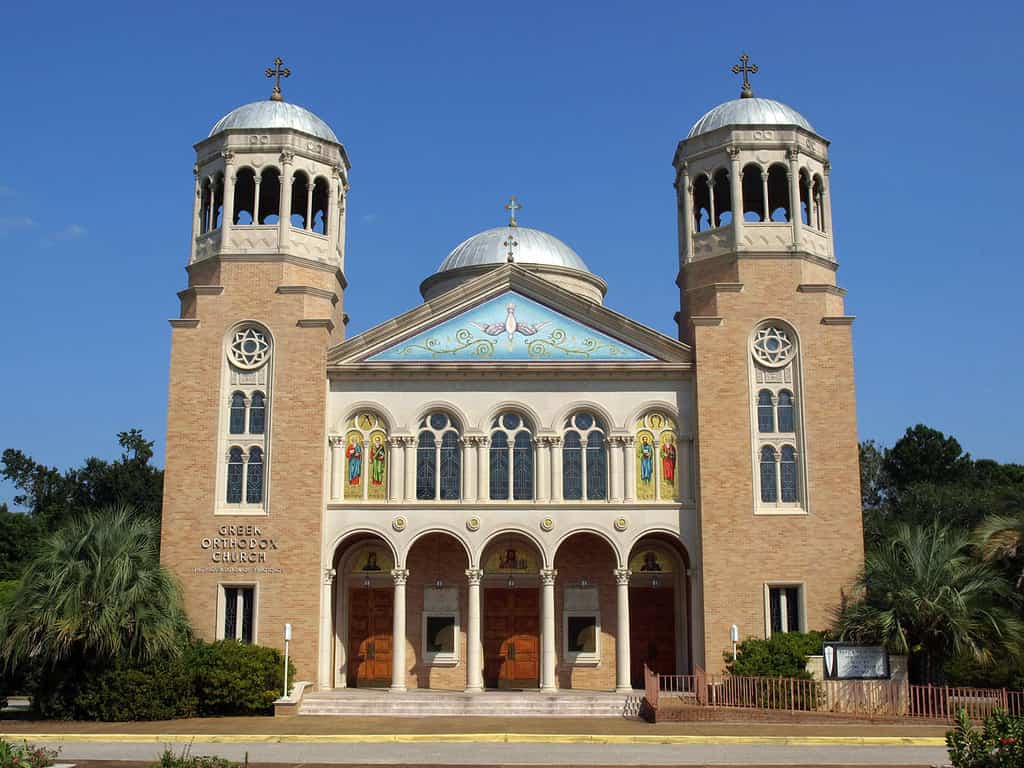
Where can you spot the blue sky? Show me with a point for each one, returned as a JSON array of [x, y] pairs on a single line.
[[448, 108]]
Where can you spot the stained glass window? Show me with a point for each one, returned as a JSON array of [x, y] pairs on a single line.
[[765, 412], [237, 420], [426, 469], [769, 492], [572, 467], [786, 411], [239, 610], [254, 477], [230, 613], [450, 466], [499, 466], [788, 473], [234, 495], [247, 605], [792, 609], [597, 466], [522, 483], [257, 414]]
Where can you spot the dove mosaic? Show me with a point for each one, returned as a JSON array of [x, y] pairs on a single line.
[[510, 327]]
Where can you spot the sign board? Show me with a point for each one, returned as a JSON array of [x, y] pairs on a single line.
[[848, 661]]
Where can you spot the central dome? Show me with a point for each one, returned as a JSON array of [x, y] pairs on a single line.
[[535, 247], [258, 115], [749, 111]]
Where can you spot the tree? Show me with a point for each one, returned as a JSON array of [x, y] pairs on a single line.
[[19, 535], [95, 593], [926, 595], [925, 455], [1001, 537]]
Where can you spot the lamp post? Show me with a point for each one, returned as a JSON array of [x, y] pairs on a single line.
[[287, 638], [734, 635]]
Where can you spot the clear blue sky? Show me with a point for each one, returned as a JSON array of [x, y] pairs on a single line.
[[448, 108]]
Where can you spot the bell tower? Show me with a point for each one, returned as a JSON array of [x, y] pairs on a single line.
[[776, 412], [246, 433]]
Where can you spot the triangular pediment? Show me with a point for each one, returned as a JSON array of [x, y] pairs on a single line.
[[509, 316]]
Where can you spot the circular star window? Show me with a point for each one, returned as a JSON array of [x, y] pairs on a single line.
[[772, 347], [249, 348]]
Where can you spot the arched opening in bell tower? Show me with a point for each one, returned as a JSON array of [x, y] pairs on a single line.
[[778, 193], [318, 213], [754, 187], [245, 196], [722, 197], [270, 196], [299, 217]]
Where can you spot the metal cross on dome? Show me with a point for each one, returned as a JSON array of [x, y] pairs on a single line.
[[746, 68], [512, 206], [277, 73]]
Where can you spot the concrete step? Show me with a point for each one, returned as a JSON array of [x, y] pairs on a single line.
[[457, 704]]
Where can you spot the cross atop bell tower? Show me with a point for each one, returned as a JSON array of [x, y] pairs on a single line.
[[277, 73], [744, 66]]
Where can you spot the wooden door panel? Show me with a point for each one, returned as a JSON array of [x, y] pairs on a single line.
[[370, 623], [511, 636], [652, 632]]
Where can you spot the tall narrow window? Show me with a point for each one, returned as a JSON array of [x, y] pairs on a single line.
[[239, 609], [426, 468], [572, 466], [769, 480], [450, 466], [499, 465], [511, 464], [237, 417], [783, 609], [438, 459], [597, 466], [765, 412], [254, 477], [234, 495], [584, 470], [257, 414], [787, 473], [522, 478], [786, 411]]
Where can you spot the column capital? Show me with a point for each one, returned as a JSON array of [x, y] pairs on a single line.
[[336, 441], [328, 576], [622, 576], [396, 442], [733, 152], [547, 576], [628, 440], [287, 157], [474, 575], [227, 155], [793, 154], [400, 575], [827, 166]]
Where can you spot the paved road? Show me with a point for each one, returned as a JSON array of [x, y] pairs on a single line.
[[524, 754]]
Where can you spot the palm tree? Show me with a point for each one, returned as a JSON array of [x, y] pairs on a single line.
[[1001, 537], [924, 594], [95, 592]]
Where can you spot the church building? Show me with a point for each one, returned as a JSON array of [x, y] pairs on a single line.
[[511, 485]]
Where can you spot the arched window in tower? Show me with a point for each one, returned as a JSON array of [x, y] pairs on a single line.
[[701, 204], [245, 196], [778, 193], [755, 187], [300, 200], [765, 411], [511, 457], [247, 388], [270, 196], [365, 457], [818, 201], [657, 457], [805, 198], [438, 458], [721, 198], [318, 216], [775, 382], [584, 458], [236, 425], [205, 205], [217, 215]]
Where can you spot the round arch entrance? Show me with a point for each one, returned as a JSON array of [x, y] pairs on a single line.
[[659, 631]]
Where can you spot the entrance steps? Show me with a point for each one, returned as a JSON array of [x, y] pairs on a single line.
[[431, 703]]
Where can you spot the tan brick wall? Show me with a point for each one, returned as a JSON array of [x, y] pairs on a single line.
[[741, 551], [296, 449]]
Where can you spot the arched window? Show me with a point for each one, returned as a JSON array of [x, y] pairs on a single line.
[[765, 413], [584, 467], [818, 201], [245, 196], [438, 458], [786, 422], [300, 200], [754, 188], [787, 474], [254, 477], [318, 212], [778, 193], [217, 213], [234, 495], [701, 204], [769, 476], [511, 457], [205, 205], [257, 414], [270, 196], [237, 415], [721, 198], [805, 199]]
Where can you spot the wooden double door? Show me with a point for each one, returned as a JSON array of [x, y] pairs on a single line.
[[511, 637], [652, 632], [370, 623]]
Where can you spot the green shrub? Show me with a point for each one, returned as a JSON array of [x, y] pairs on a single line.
[[999, 744], [187, 760], [160, 690], [24, 756], [783, 655], [236, 679]]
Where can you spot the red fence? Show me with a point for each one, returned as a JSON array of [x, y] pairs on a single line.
[[855, 698]]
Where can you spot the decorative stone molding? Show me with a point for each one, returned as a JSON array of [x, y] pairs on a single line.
[[793, 154], [183, 322], [400, 575], [547, 525], [622, 576], [621, 524], [328, 576], [733, 152], [547, 576], [336, 441], [473, 524], [838, 320], [398, 524], [287, 156], [474, 575], [707, 320]]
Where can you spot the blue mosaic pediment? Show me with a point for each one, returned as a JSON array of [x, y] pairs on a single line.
[[510, 327]]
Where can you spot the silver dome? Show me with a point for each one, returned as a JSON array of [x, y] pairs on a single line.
[[275, 114], [535, 247], [752, 111]]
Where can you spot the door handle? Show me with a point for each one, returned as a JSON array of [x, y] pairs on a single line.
[[511, 651], [371, 652]]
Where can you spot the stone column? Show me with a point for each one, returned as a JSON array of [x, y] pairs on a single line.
[[483, 476], [410, 468], [736, 188], [543, 476], [556, 469], [284, 203], [687, 228], [469, 481], [622, 676], [764, 192], [711, 202], [309, 207], [197, 224], [256, 179], [364, 477], [826, 200], [337, 464], [794, 193], [474, 649], [228, 220], [400, 575], [548, 657], [395, 468], [326, 630], [627, 454], [615, 467]]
